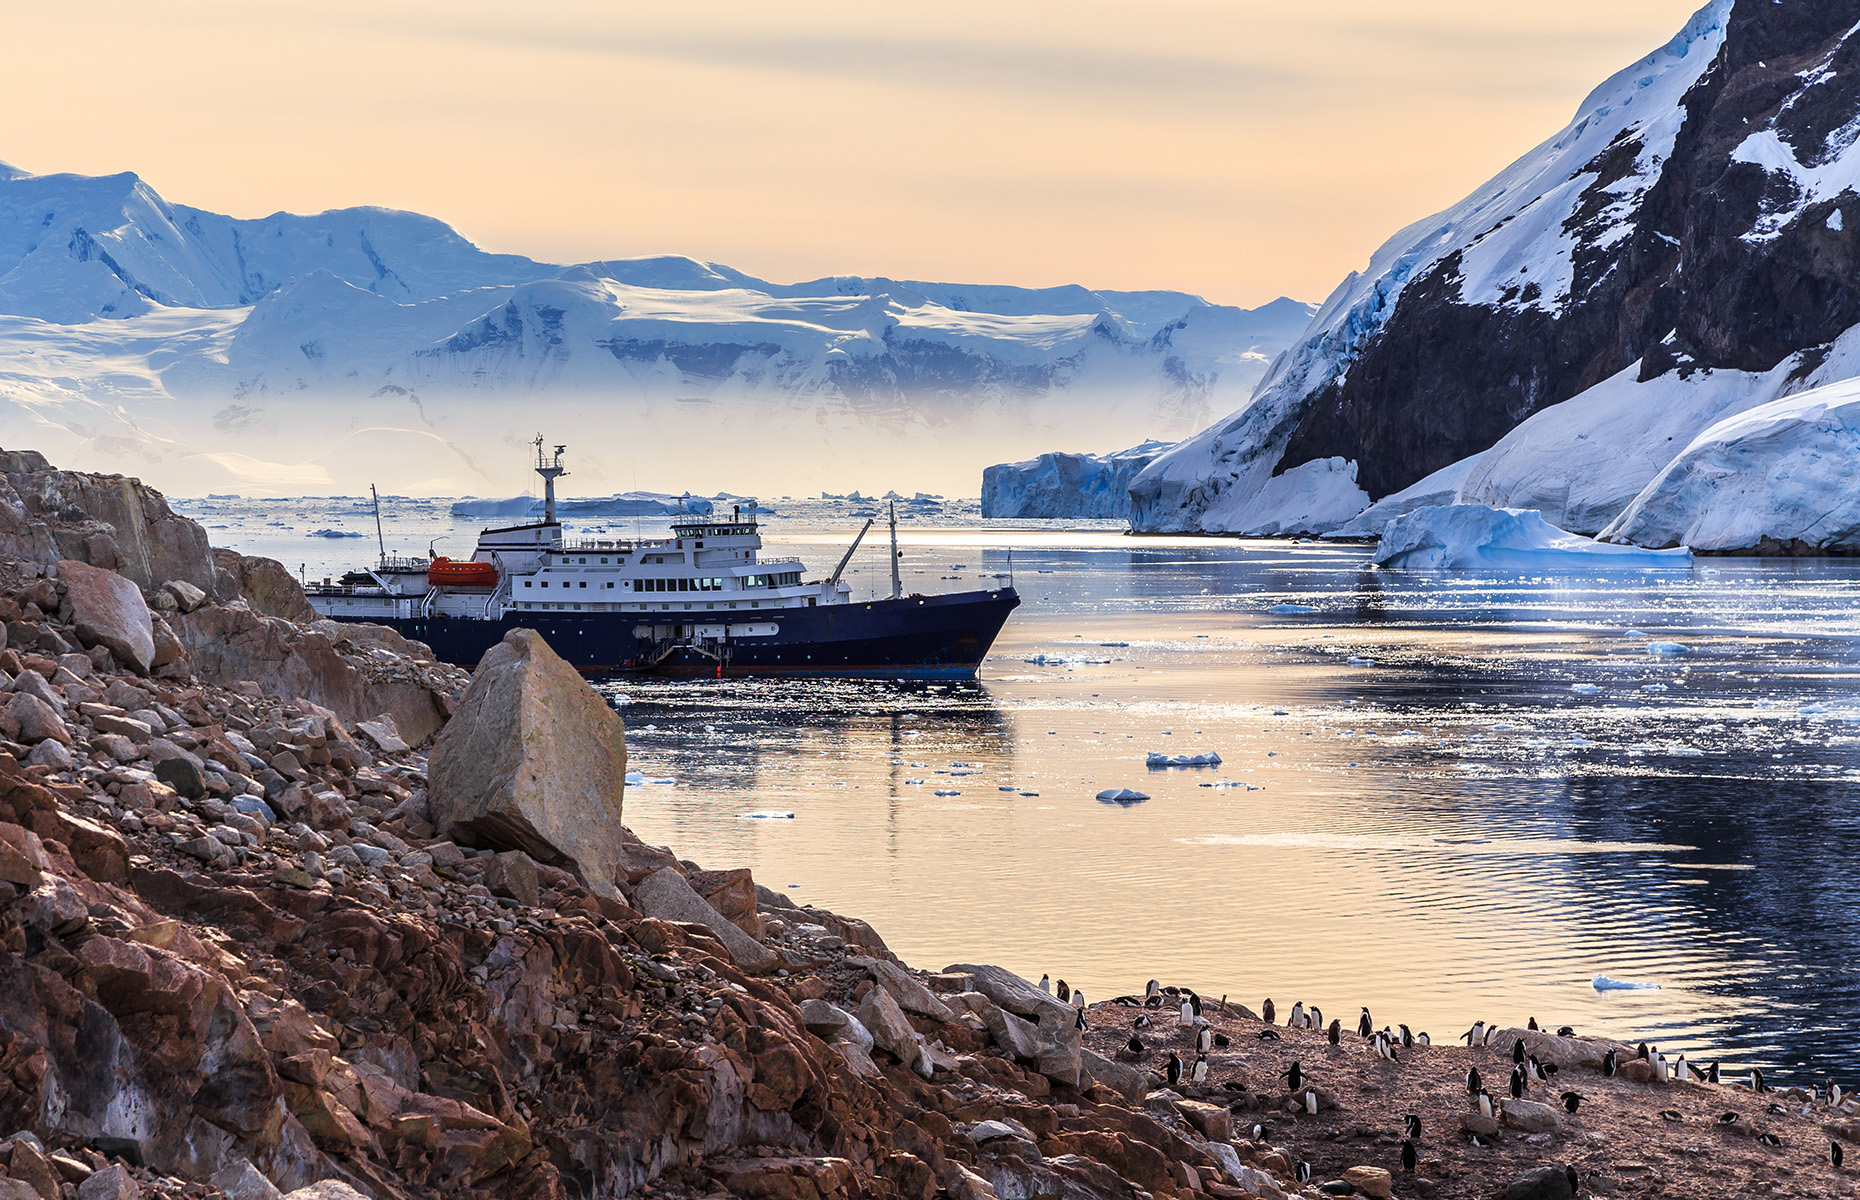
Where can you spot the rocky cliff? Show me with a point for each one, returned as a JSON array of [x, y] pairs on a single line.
[[1686, 235]]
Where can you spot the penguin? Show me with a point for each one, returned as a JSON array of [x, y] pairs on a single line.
[[1141, 1023], [1294, 1076], [1204, 1040], [1186, 1014], [1364, 1024], [1303, 1172], [1642, 1052], [1421, 1039], [1711, 1076], [1609, 1064], [1336, 1032], [1172, 1071], [1547, 1070], [1411, 1125], [1517, 1051], [1408, 1157], [1834, 1094], [1078, 999], [1835, 1154], [1756, 1082], [1078, 1021], [1769, 1139], [1671, 1114], [1268, 1013], [1533, 1026], [1046, 984], [1315, 1017], [1566, 1031], [1311, 1103], [1575, 1181], [1201, 1069], [1152, 1002], [1297, 1019], [1407, 1039], [1062, 991], [1679, 1067], [1729, 1118], [1222, 1041], [1194, 1002], [1534, 1070], [1269, 1035], [1172, 992], [1473, 1083], [1660, 1070], [1475, 1035], [1698, 1073], [1473, 1139], [1517, 1083], [1152, 988], [1491, 1031], [1571, 1100], [1135, 1045], [1259, 1132], [1485, 1103]]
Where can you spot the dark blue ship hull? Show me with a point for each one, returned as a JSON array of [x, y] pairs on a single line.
[[942, 637]]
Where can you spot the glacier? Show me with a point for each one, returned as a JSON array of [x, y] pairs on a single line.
[[303, 354], [1474, 537], [1057, 484]]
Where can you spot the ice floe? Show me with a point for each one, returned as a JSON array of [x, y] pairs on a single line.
[[766, 814], [1472, 536], [1209, 759], [1667, 648], [1603, 983], [1286, 610], [1122, 796]]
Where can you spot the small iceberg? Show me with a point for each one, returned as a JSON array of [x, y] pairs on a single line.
[[1585, 689], [1210, 759], [1667, 648], [333, 533], [947, 792], [1472, 536], [1287, 610], [766, 814], [638, 779], [1603, 983], [1122, 796]]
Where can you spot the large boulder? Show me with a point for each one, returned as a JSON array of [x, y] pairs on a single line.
[[1056, 1034], [665, 894], [109, 521], [265, 584], [108, 610], [534, 760]]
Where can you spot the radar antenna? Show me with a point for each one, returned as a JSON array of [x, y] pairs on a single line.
[[550, 470]]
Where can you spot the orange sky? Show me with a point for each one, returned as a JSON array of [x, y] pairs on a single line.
[[1242, 149]]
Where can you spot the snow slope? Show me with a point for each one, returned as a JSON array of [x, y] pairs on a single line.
[[302, 353], [1777, 478], [1066, 485]]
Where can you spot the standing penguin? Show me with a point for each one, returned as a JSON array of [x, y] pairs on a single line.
[[1364, 1025], [1571, 1100], [1407, 1039], [1062, 991], [1711, 1076], [1475, 1035], [1533, 1026], [1186, 1014], [1517, 1083], [1046, 984], [1204, 1039], [1201, 1068], [1756, 1082], [1336, 1032], [1411, 1125], [1268, 1013], [1153, 988], [1294, 1076], [1517, 1051], [1473, 1082], [1135, 1045], [1078, 999], [1172, 1070], [1311, 1103], [1297, 1019], [1408, 1157], [1315, 1019], [1835, 1154], [1303, 1172], [1609, 1065]]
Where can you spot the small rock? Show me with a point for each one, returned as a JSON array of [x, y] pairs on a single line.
[[382, 732], [1530, 1116], [326, 1189], [38, 720], [1544, 1183], [49, 753], [187, 597], [513, 874], [891, 1030], [987, 1131], [114, 1182], [1479, 1123], [184, 775], [1371, 1181], [242, 1181]]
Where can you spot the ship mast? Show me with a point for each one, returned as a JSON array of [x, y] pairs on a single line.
[[550, 470], [380, 538], [897, 584]]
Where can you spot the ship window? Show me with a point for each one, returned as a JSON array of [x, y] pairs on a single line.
[[610, 583], [755, 604], [584, 583], [603, 562], [545, 583], [584, 562], [526, 583], [700, 543]]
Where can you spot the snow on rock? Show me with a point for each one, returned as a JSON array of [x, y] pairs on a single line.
[[1775, 479], [1509, 249], [1058, 484], [1472, 536]]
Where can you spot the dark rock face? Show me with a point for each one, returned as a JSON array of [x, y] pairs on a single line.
[[1719, 254]]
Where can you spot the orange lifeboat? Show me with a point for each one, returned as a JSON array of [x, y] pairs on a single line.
[[444, 572]]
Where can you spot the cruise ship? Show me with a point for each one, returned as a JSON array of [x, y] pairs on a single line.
[[702, 601]]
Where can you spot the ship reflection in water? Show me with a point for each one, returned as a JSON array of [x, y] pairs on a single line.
[[1450, 798]]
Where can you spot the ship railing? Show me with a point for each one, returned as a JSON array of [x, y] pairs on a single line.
[[402, 563], [619, 545]]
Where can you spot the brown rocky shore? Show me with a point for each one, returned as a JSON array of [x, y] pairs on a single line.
[[286, 907]]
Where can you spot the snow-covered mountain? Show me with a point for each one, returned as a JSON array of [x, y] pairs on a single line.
[[1682, 252], [318, 353]]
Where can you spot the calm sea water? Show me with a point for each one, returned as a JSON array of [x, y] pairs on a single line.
[[1447, 796]]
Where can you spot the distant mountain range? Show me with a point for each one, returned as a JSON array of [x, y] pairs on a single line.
[[1582, 334], [315, 353]]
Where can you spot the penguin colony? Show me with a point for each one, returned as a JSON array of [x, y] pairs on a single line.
[[1182, 1042]]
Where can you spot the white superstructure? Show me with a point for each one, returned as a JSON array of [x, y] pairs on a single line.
[[709, 571]]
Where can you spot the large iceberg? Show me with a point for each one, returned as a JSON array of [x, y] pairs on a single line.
[[1776, 479], [1472, 536], [1058, 484]]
